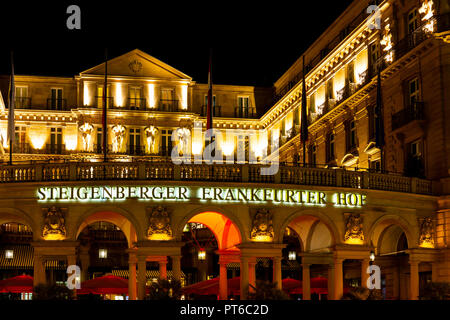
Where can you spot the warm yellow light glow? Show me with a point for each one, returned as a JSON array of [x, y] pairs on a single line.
[[184, 97], [339, 83], [71, 138], [151, 96], [427, 11], [288, 123], [3, 135], [38, 136], [361, 64], [354, 241], [386, 42], [426, 244], [262, 239], [227, 144], [103, 253], [86, 94], [160, 237], [320, 99], [201, 254], [54, 236], [9, 254], [119, 95], [292, 255]]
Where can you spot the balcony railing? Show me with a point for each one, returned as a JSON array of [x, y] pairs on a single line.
[[216, 110], [56, 104], [109, 102], [247, 113], [136, 103], [407, 115], [168, 105], [165, 170], [23, 102]]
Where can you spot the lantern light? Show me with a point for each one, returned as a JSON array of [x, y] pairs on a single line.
[[201, 254], [292, 255], [103, 253], [9, 254], [372, 256]]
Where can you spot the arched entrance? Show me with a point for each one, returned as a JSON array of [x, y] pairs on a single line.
[[211, 244]]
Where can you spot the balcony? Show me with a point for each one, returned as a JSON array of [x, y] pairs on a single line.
[[22, 103], [246, 113], [133, 150], [168, 106], [99, 100], [57, 104], [136, 103], [240, 173], [415, 112], [217, 111]]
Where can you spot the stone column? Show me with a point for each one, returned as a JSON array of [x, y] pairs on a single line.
[[39, 270], [142, 277], [132, 277], [414, 280], [223, 282], [252, 275], [176, 267], [306, 281], [338, 279], [330, 281], [364, 275], [277, 271], [163, 269], [244, 277]]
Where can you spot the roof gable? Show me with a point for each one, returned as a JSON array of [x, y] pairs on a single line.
[[137, 63]]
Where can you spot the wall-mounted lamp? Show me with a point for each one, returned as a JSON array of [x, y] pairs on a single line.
[[292, 255], [9, 254], [103, 253], [372, 256], [201, 254]]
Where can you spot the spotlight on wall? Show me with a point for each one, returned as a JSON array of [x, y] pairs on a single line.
[[9, 254], [372, 256], [103, 253], [292, 255], [201, 254]]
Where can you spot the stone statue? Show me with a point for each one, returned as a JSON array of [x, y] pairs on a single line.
[[426, 232], [354, 227], [183, 135], [159, 224], [262, 226], [86, 134], [118, 135], [54, 224], [151, 133]]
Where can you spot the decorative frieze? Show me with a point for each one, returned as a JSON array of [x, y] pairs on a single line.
[[54, 223], [159, 227], [262, 229]]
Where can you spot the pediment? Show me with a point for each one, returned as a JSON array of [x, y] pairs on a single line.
[[137, 63]]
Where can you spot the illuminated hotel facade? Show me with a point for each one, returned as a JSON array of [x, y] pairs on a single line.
[[350, 200]]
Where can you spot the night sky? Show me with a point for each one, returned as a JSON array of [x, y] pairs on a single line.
[[254, 42]]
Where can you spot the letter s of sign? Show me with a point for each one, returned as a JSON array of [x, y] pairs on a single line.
[[74, 20], [376, 17], [374, 280], [73, 281]]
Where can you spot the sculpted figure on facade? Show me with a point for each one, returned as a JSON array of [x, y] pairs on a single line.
[[118, 137], [184, 137], [426, 233], [151, 133], [86, 134], [354, 227], [159, 228], [262, 229], [54, 224]]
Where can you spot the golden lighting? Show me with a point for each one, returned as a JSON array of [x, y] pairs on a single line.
[[160, 237], [71, 138], [339, 83], [354, 241], [265, 238], [151, 96], [103, 253], [386, 42], [38, 137], [427, 244], [320, 100], [197, 148], [9, 254], [86, 94], [427, 10], [201, 254], [184, 97], [292, 255], [54, 236], [361, 65], [372, 256], [119, 95]]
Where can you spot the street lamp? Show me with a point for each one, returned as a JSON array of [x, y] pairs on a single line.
[[103, 253], [292, 255], [201, 254]]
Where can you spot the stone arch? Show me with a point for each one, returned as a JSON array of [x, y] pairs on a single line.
[[312, 219], [19, 216], [114, 215], [226, 228], [390, 226]]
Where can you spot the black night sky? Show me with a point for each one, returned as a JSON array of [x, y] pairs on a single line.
[[254, 42]]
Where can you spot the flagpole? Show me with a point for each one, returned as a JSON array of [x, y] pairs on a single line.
[[304, 124], [104, 122], [11, 129]]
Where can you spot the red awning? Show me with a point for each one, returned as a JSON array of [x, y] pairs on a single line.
[[319, 285], [104, 285], [19, 284]]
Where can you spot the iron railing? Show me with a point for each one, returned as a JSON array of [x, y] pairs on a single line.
[[407, 115]]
